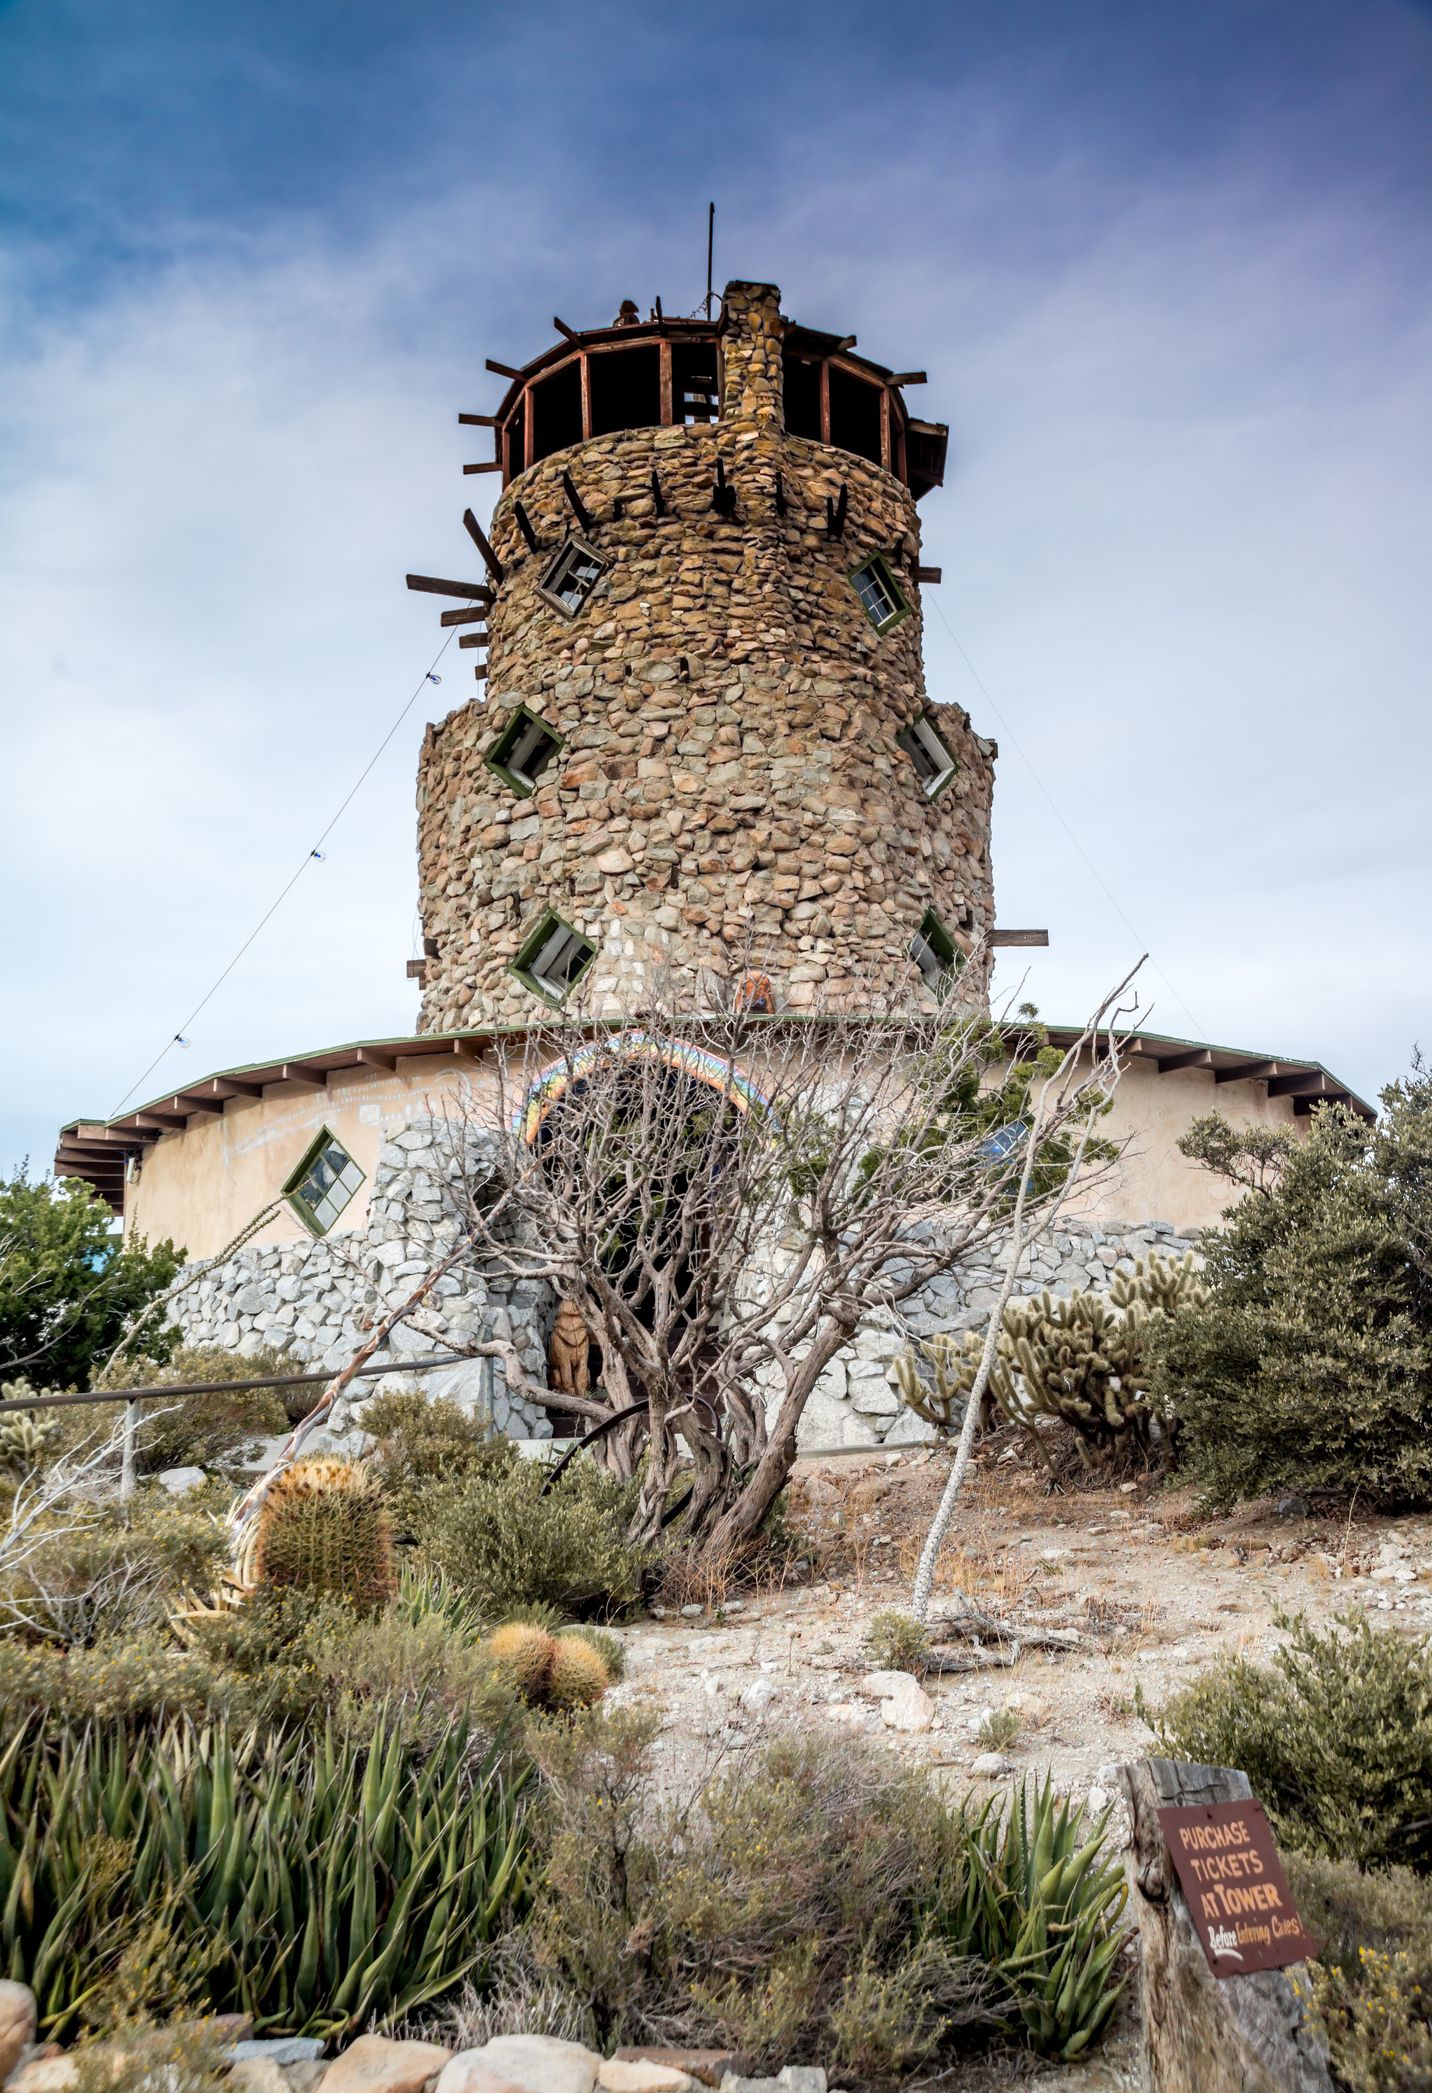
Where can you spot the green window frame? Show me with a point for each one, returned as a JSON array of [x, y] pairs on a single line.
[[323, 1184], [523, 750], [935, 764], [936, 954], [881, 597], [572, 577], [553, 958]]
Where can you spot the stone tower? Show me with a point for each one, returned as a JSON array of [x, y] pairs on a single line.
[[705, 741]]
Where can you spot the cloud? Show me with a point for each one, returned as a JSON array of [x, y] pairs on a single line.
[[1183, 535]]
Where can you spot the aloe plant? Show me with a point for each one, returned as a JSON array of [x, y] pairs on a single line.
[[315, 1882], [1038, 1902]]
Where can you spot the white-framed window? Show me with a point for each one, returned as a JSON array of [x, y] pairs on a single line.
[[554, 958], [879, 593], [572, 576], [924, 744], [323, 1183]]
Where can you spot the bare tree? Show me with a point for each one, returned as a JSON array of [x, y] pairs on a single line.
[[727, 1197]]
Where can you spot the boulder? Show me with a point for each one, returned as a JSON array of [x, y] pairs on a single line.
[[44, 2075], [180, 1481], [258, 2075], [17, 2023], [376, 2064], [642, 2075], [521, 2064], [279, 2049], [707, 2066]]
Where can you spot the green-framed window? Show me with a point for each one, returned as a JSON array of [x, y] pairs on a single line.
[[881, 597], [553, 959], [524, 749], [323, 1183], [571, 578], [935, 953], [927, 749]]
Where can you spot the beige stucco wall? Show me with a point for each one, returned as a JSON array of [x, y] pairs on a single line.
[[201, 1186], [1152, 1181]]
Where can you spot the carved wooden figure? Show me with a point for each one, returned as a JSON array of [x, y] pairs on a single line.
[[567, 1356]]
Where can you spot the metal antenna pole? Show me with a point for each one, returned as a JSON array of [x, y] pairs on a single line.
[[710, 250]]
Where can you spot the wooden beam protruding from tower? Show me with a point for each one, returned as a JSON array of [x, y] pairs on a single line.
[[658, 499], [782, 505], [577, 505], [469, 591], [723, 496], [464, 617], [524, 524], [479, 538], [835, 512]]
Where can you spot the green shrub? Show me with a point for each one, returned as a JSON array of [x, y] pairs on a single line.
[[200, 1431], [504, 1545], [816, 1899], [108, 1575], [315, 1881], [1309, 1365], [1335, 1736], [1372, 1983], [422, 1442], [896, 1642], [140, 1678]]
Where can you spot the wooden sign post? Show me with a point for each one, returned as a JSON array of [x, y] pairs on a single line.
[[1212, 2024]]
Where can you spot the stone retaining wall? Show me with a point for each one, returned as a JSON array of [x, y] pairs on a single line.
[[315, 1302]]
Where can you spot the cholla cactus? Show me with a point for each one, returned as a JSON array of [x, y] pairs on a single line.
[[24, 1437], [323, 1528], [1081, 1358]]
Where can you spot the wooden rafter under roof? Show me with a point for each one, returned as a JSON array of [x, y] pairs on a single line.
[[98, 1150]]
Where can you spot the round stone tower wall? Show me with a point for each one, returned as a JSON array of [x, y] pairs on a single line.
[[730, 789]]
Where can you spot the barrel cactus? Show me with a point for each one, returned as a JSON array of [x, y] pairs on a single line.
[[548, 1671], [323, 1529]]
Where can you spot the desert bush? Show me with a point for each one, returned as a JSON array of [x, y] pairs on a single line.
[[182, 2059], [999, 1728], [201, 1430], [140, 1677], [814, 1898], [104, 1571], [312, 1879], [503, 1544], [1309, 1365], [421, 1442], [896, 1642], [1371, 1986], [1335, 1736], [324, 1529]]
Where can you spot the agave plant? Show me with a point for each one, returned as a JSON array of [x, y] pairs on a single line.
[[1041, 1905], [324, 1882]]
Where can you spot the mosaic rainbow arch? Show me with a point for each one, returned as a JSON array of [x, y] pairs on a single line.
[[697, 1062]]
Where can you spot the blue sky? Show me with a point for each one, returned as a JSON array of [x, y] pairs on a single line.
[[1169, 269]]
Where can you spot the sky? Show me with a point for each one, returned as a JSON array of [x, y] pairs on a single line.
[[1169, 270]]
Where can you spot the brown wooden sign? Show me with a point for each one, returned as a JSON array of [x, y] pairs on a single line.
[[1237, 1893]]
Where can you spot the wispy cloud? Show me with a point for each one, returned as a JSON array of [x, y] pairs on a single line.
[[1183, 538]]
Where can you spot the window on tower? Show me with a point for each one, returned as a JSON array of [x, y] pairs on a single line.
[[880, 594], [523, 751], [553, 959], [323, 1183], [935, 953], [572, 576], [924, 744], [695, 389]]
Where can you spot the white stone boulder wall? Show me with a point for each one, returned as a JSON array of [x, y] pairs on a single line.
[[314, 1300]]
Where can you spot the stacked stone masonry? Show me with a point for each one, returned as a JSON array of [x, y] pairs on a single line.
[[315, 1302], [730, 784]]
